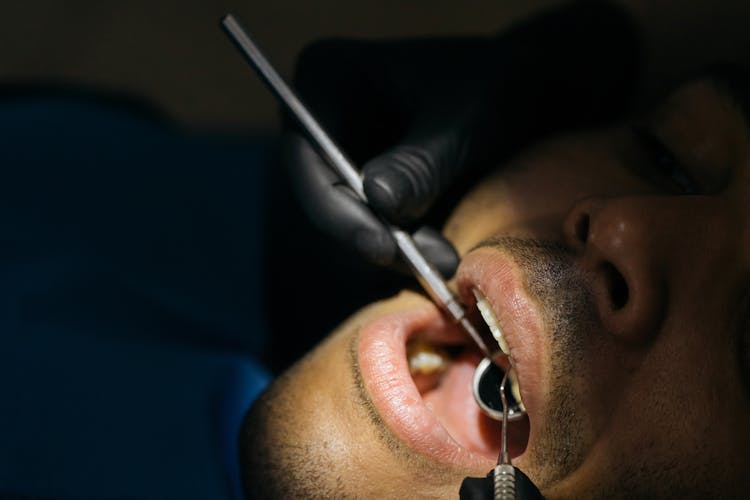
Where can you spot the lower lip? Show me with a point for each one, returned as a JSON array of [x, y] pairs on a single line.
[[385, 373]]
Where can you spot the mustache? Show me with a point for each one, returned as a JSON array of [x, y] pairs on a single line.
[[552, 279]]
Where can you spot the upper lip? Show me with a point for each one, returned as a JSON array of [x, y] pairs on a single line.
[[497, 275]]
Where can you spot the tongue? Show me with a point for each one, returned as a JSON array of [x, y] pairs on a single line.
[[453, 404]]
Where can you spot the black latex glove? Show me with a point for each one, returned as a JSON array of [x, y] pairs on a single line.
[[420, 115]]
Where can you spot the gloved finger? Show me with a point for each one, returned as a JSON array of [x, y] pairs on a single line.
[[332, 206], [336, 209], [437, 250], [477, 488], [403, 183]]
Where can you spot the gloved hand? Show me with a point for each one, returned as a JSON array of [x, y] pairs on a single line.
[[423, 115]]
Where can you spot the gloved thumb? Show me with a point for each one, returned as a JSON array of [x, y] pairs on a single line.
[[437, 250]]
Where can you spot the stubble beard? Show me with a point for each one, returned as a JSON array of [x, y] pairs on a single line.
[[551, 279]]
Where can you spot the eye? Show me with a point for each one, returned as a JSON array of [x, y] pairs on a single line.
[[663, 169]]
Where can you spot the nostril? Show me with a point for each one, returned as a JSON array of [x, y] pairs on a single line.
[[582, 228], [616, 286]]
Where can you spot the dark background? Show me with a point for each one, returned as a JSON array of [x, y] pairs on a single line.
[[173, 53], [172, 56]]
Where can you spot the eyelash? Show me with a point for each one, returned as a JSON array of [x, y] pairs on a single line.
[[667, 171]]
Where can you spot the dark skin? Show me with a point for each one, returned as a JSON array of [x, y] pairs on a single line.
[[617, 264]]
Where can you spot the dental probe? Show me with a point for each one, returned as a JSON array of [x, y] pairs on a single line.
[[504, 476], [504, 481], [426, 274]]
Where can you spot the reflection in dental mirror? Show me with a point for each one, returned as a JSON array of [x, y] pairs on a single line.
[[486, 384]]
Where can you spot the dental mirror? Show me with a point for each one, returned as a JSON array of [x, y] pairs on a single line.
[[485, 386]]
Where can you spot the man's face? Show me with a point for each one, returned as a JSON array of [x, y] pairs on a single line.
[[616, 263]]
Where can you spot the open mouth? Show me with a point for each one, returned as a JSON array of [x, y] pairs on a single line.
[[444, 374], [417, 367]]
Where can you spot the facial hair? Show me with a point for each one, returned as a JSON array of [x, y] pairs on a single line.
[[552, 280]]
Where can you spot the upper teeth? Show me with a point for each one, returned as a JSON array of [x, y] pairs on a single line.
[[489, 317]]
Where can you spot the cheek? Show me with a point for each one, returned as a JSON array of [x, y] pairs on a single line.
[[680, 404], [319, 426], [479, 215], [531, 196]]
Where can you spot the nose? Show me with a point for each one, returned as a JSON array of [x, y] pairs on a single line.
[[618, 246]]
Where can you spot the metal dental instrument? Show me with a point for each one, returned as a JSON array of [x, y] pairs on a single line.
[[485, 386], [504, 481], [426, 274], [504, 475], [503, 457]]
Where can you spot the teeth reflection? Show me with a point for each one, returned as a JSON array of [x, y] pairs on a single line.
[[515, 390], [425, 359], [489, 317], [485, 387]]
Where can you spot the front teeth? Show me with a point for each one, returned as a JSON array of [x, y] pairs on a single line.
[[515, 389], [489, 317]]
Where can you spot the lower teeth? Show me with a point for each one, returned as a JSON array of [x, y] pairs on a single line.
[[425, 359], [515, 389]]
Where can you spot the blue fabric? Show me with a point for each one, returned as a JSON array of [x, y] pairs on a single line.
[[131, 314]]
